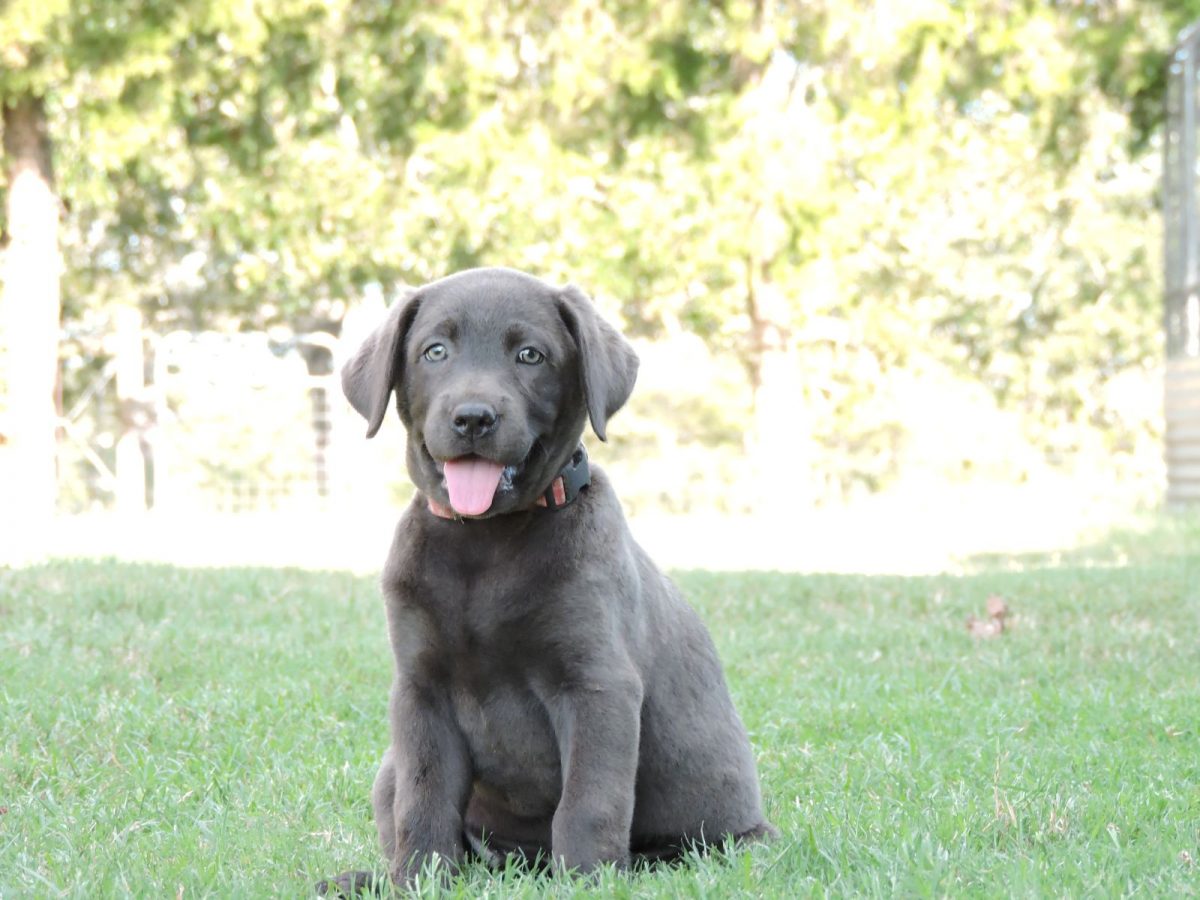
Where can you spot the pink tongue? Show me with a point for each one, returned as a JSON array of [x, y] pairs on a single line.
[[472, 484]]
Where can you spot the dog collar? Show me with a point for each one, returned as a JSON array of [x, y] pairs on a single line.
[[571, 479]]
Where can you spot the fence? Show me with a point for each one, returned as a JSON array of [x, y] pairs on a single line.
[[1182, 261], [213, 422]]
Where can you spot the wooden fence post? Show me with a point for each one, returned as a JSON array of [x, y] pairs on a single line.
[[131, 388], [1183, 431]]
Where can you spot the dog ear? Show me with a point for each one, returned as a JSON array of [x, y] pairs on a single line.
[[370, 374], [607, 364]]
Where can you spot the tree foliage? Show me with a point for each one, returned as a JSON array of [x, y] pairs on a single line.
[[848, 189]]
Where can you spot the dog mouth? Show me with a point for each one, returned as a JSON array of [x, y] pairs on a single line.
[[473, 482]]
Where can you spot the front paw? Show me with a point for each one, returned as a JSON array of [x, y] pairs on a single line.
[[353, 884], [427, 866], [582, 847]]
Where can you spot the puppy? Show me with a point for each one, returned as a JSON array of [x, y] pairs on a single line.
[[554, 694]]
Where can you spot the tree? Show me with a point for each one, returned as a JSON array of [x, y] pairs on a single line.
[[46, 45], [29, 302], [829, 194]]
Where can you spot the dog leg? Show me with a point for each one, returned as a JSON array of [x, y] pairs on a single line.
[[598, 729], [423, 785], [383, 801]]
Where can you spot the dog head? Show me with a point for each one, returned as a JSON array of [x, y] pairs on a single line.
[[495, 374]]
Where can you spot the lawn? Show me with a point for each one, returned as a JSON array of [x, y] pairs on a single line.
[[171, 732]]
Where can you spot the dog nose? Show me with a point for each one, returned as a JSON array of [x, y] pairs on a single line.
[[474, 420]]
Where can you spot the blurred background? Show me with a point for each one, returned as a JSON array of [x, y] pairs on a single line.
[[895, 269]]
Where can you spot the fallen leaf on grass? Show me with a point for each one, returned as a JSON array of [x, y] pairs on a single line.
[[993, 625], [996, 607]]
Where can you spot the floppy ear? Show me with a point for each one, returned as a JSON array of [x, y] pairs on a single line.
[[607, 364], [370, 374]]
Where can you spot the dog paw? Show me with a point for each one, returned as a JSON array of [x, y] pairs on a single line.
[[353, 884], [763, 833]]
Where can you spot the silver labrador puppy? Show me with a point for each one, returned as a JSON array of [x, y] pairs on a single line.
[[554, 693]]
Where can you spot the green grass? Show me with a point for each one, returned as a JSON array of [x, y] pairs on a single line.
[[168, 732]]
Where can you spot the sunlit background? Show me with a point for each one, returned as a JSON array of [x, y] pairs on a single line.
[[894, 269]]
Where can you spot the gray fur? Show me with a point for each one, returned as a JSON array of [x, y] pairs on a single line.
[[554, 693]]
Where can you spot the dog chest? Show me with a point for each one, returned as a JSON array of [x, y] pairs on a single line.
[[514, 752], [477, 606], [483, 636]]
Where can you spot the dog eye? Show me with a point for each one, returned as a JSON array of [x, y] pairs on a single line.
[[530, 356], [435, 352]]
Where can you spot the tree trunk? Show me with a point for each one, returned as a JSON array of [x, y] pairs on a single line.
[[29, 311]]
